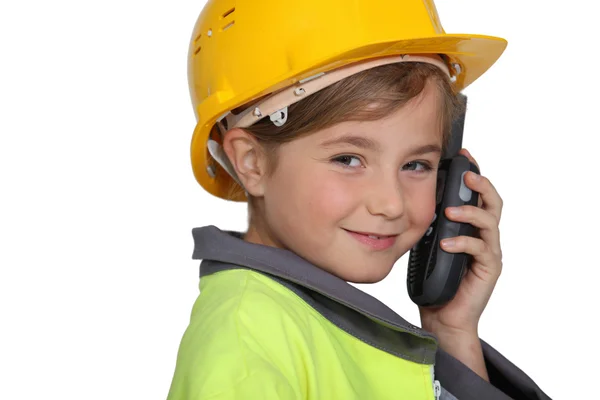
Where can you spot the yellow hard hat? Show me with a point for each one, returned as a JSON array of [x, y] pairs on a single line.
[[242, 50]]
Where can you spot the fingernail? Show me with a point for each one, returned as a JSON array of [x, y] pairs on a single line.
[[475, 176], [454, 211], [448, 242]]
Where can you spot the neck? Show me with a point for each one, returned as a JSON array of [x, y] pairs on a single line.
[[258, 230]]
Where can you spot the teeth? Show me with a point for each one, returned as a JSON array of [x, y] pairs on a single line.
[[374, 237]]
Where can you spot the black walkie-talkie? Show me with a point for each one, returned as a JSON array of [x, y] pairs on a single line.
[[434, 275]]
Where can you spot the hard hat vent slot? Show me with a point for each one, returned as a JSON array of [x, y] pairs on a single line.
[[225, 15], [196, 39], [229, 25]]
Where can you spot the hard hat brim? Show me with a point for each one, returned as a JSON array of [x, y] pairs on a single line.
[[472, 54]]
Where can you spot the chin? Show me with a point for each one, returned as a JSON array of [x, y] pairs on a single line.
[[362, 275]]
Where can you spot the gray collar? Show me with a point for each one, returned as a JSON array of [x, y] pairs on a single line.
[[343, 304]]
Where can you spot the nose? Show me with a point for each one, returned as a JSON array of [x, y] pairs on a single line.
[[385, 197]]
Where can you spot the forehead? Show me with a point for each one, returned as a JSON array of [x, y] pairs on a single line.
[[416, 122]]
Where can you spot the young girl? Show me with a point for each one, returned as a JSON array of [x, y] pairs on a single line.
[[329, 118]]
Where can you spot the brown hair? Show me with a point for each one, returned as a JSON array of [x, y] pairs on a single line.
[[367, 96]]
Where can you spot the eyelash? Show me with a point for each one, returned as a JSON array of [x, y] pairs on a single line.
[[426, 165], [338, 158]]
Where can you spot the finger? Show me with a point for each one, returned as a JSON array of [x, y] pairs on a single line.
[[479, 218], [477, 248], [475, 216], [488, 195]]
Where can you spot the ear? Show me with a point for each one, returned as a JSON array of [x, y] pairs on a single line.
[[248, 159]]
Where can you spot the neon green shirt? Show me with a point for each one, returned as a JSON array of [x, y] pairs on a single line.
[[251, 338], [269, 325]]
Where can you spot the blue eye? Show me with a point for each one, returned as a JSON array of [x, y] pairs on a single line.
[[348, 161], [417, 166]]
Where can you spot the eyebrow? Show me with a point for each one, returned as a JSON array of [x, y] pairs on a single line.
[[369, 144], [356, 141], [428, 148]]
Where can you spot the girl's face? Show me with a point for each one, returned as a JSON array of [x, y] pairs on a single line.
[[353, 198]]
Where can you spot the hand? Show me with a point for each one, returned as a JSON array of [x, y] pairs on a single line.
[[460, 317]]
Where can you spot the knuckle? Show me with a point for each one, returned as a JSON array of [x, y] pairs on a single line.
[[489, 220], [497, 253], [495, 220], [483, 247]]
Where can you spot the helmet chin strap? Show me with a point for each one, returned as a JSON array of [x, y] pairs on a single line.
[[217, 152]]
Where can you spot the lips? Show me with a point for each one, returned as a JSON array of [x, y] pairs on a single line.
[[374, 241], [374, 235]]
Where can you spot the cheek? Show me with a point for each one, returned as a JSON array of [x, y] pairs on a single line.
[[309, 197], [334, 197], [422, 199]]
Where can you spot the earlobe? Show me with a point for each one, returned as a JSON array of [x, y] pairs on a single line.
[[247, 158]]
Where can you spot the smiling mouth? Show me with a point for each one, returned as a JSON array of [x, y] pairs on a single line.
[[374, 241], [372, 235]]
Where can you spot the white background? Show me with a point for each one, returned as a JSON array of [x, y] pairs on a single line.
[[97, 197]]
